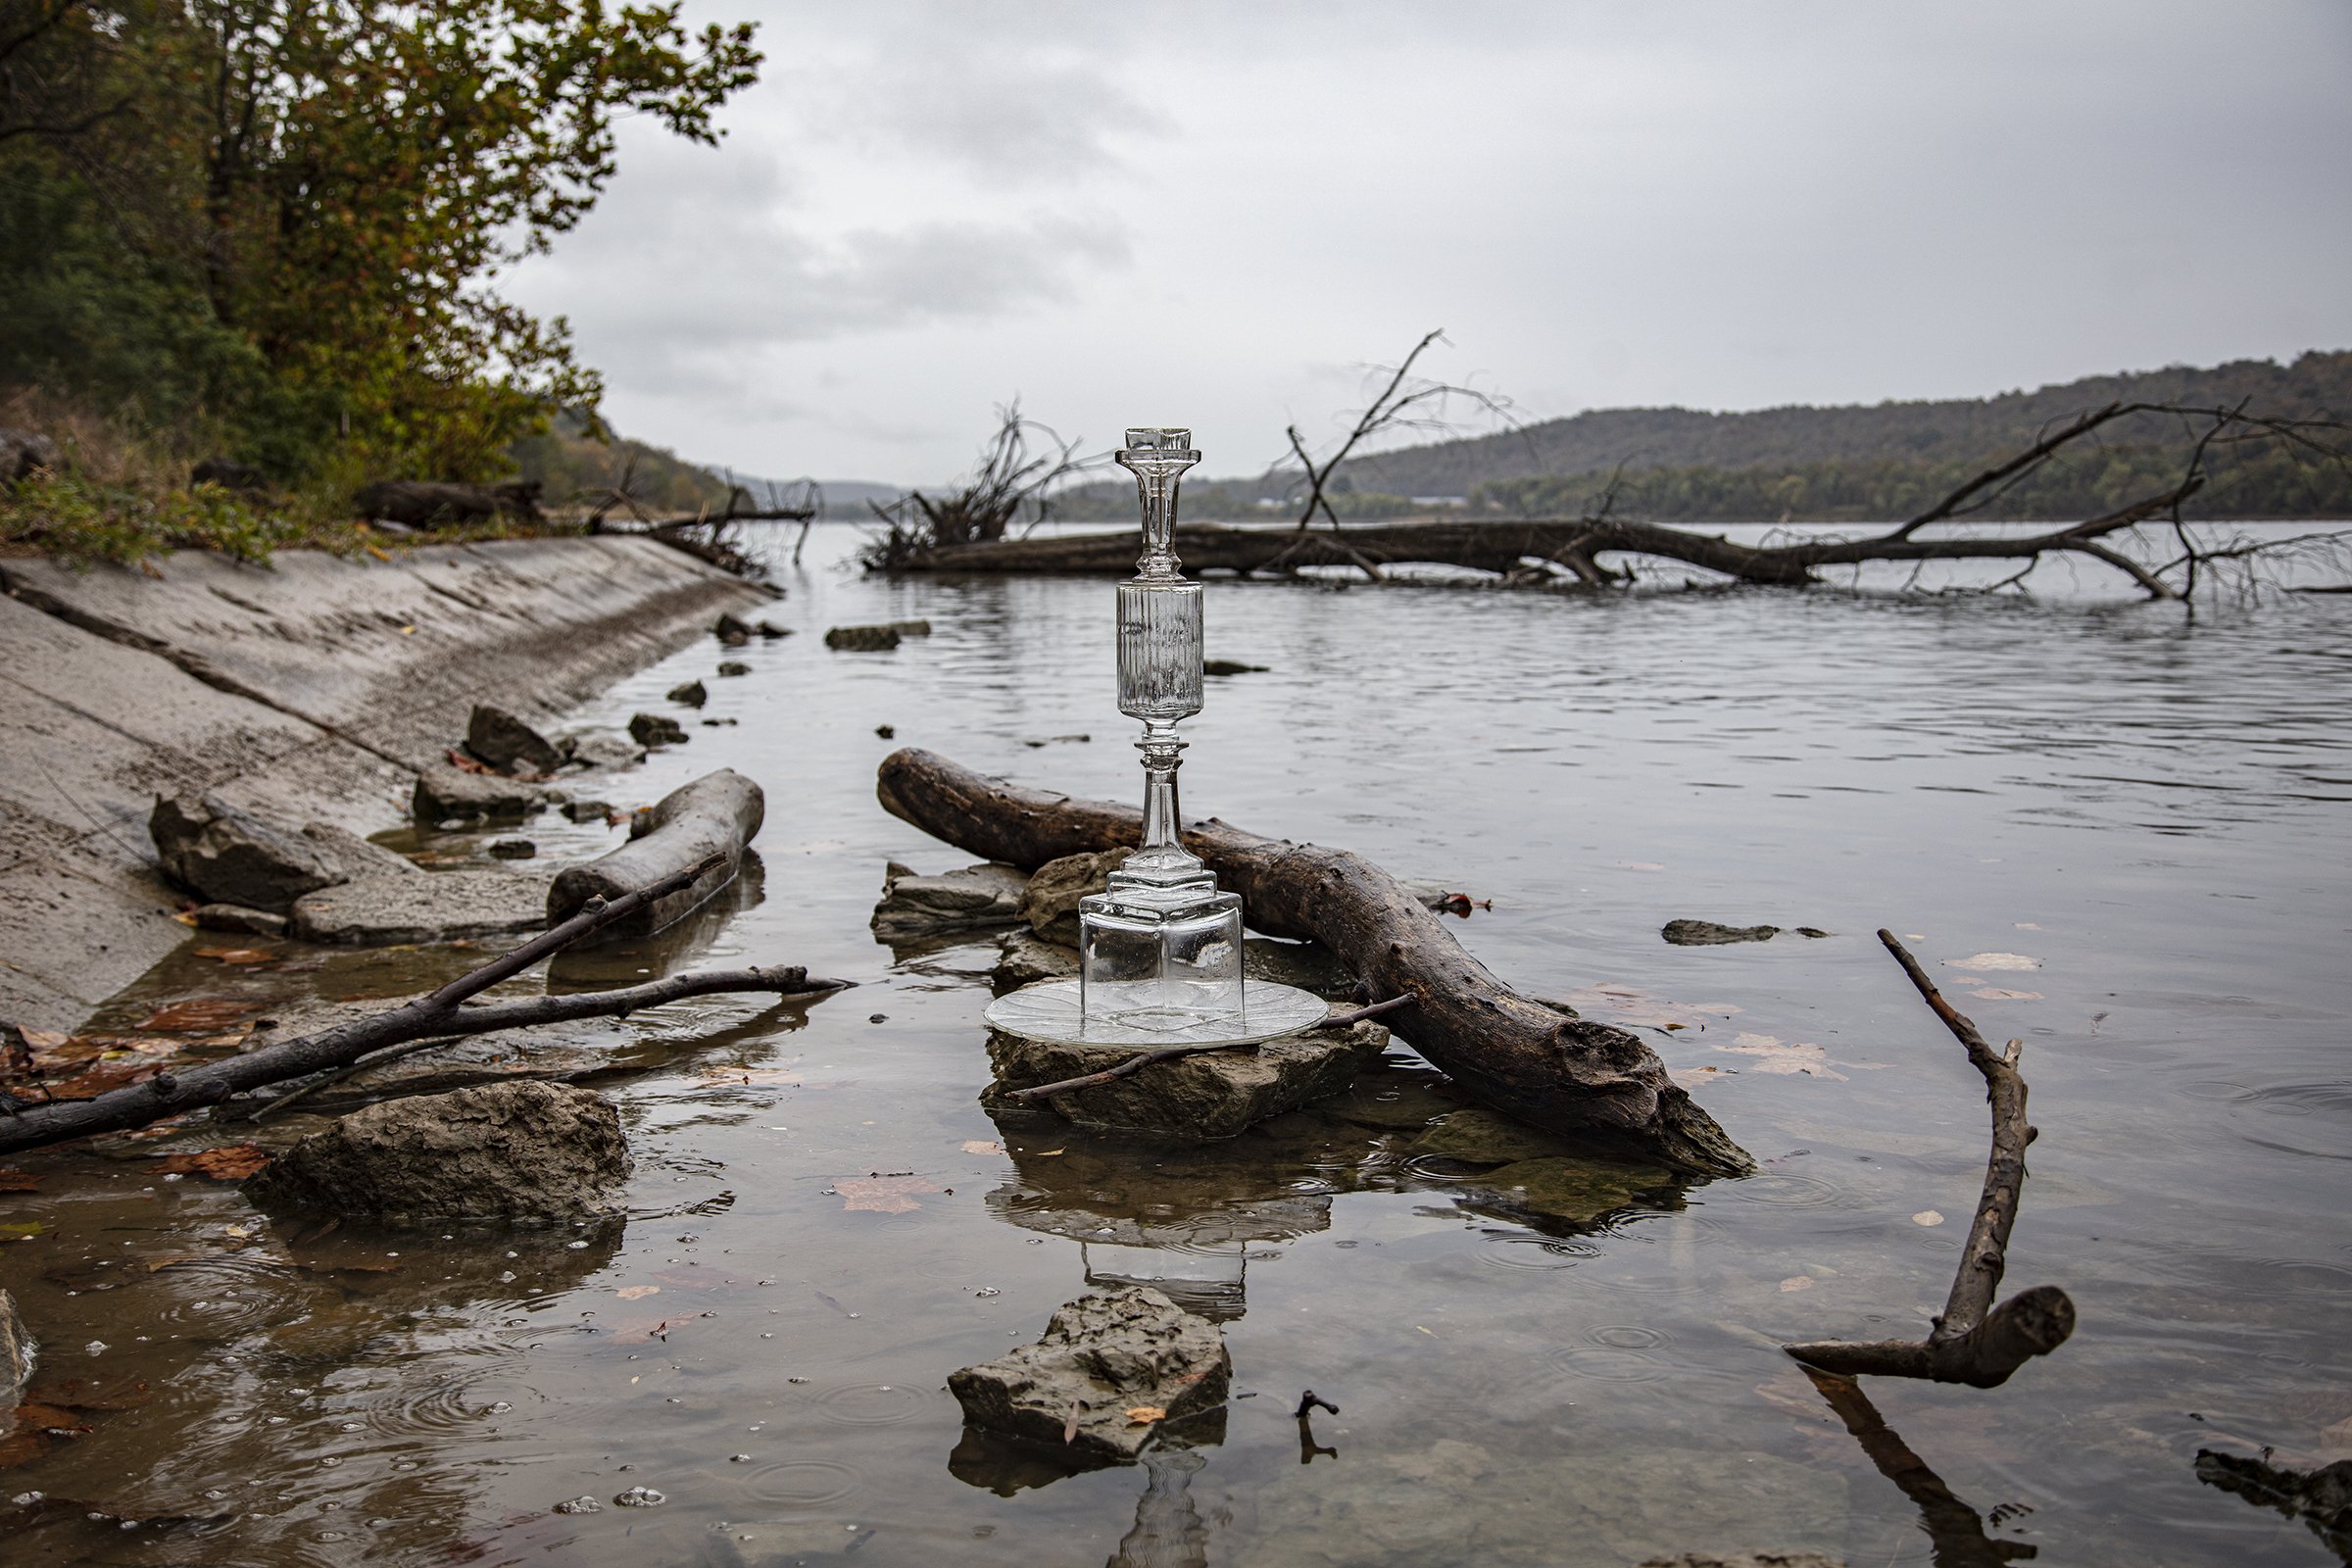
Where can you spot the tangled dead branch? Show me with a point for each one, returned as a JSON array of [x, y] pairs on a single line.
[[1972, 1340], [1013, 481], [440, 1014], [1403, 403]]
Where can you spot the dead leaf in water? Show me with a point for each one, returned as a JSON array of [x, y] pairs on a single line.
[[636, 1292], [1926, 1216], [13, 1180], [1994, 960], [1797, 1282], [1775, 1058], [1996, 994], [237, 955], [198, 1016], [1624, 1005], [882, 1195], [982, 1145], [98, 1080], [1143, 1415], [40, 1040], [230, 1162]]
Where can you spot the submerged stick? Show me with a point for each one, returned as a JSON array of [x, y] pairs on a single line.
[[1971, 1341], [441, 1014], [1586, 1080]]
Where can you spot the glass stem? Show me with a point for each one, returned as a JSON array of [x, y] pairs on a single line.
[[1162, 851]]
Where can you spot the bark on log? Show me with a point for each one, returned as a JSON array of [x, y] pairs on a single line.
[[441, 1014], [1972, 1340], [1585, 1079], [715, 816]]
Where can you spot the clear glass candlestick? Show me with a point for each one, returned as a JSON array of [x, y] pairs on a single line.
[[1160, 949]]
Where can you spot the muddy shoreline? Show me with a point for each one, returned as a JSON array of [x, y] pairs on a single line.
[[311, 689]]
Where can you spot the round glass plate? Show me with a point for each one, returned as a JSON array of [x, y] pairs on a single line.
[[1049, 1011]]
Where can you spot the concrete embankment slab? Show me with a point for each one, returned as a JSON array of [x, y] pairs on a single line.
[[305, 691]]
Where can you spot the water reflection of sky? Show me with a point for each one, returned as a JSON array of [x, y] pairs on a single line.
[[2150, 812]]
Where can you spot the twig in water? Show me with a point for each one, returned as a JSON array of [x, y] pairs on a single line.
[[1309, 1448], [1971, 1341]]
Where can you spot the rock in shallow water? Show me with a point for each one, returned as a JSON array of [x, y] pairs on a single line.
[[439, 907], [514, 1151], [229, 857], [508, 744], [970, 899], [1050, 902], [1707, 934], [1212, 1093], [655, 729], [1104, 1355], [444, 793]]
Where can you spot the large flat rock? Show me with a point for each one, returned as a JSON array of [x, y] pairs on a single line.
[[432, 907], [1212, 1093], [1104, 1359]]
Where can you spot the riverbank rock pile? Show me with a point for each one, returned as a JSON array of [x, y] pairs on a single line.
[[1113, 1367], [516, 1153]]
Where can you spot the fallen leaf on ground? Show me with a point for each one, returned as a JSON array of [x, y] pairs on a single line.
[[98, 1080], [230, 1162], [1797, 1282], [982, 1145], [1926, 1216], [198, 1016], [883, 1195], [1994, 960], [39, 1039], [1143, 1415], [13, 1180], [56, 1050], [633, 1293], [1996, 994], [1772, 1056], [239, 956]]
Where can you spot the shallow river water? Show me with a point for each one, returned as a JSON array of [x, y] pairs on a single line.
[[2114, 831]]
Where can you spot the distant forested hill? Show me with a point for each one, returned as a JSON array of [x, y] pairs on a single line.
[[1888, 459]]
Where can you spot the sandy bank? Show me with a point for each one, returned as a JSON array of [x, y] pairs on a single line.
[[307, 690]]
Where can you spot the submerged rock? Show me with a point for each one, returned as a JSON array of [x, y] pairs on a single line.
[[512, 849], [515, 1151], [1568, 1188], [1481, 1137], [694, 694], [1104, 1355], [1212, 1093], [445, 792], [436, 906], [228, 857], [507, 743], [970, 899], [17, 1351], [598, 749], [655, 729], [1050, 902], [863, 639], [733, 666], [236, 917], [1707, 934]]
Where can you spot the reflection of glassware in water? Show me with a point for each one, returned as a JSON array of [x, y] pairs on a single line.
[[1160, 948]]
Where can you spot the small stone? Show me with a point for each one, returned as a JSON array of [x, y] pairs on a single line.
[[693, 694], [599, 751], [581, 1505], [507, 743], [588, 810], [444, 793], [862, 639], [769, 630], [1812, 931], [653, 729], [639, 1497], [236, 917], [911, 628], [1230, 667], [732, 632], [512, 849], [720, 723], [734, 667], [1707, 934], [887, 731], [522, 1150], [970, 899], [1050, 902], [1100, 1355]]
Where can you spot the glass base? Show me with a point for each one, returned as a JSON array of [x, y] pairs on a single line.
[[1051, 1011], [1167, 960]]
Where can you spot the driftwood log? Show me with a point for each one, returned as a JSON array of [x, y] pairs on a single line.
[[437, 1015], [427, 503], [705, 824], [1972, 1340], [1585, 1079]]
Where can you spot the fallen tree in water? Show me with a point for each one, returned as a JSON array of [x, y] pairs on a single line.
[[1972, 1340], [1529, 551], [1515, 1055], [433, 1017]]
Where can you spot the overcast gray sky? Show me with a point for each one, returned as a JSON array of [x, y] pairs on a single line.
[[1218, 214]]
